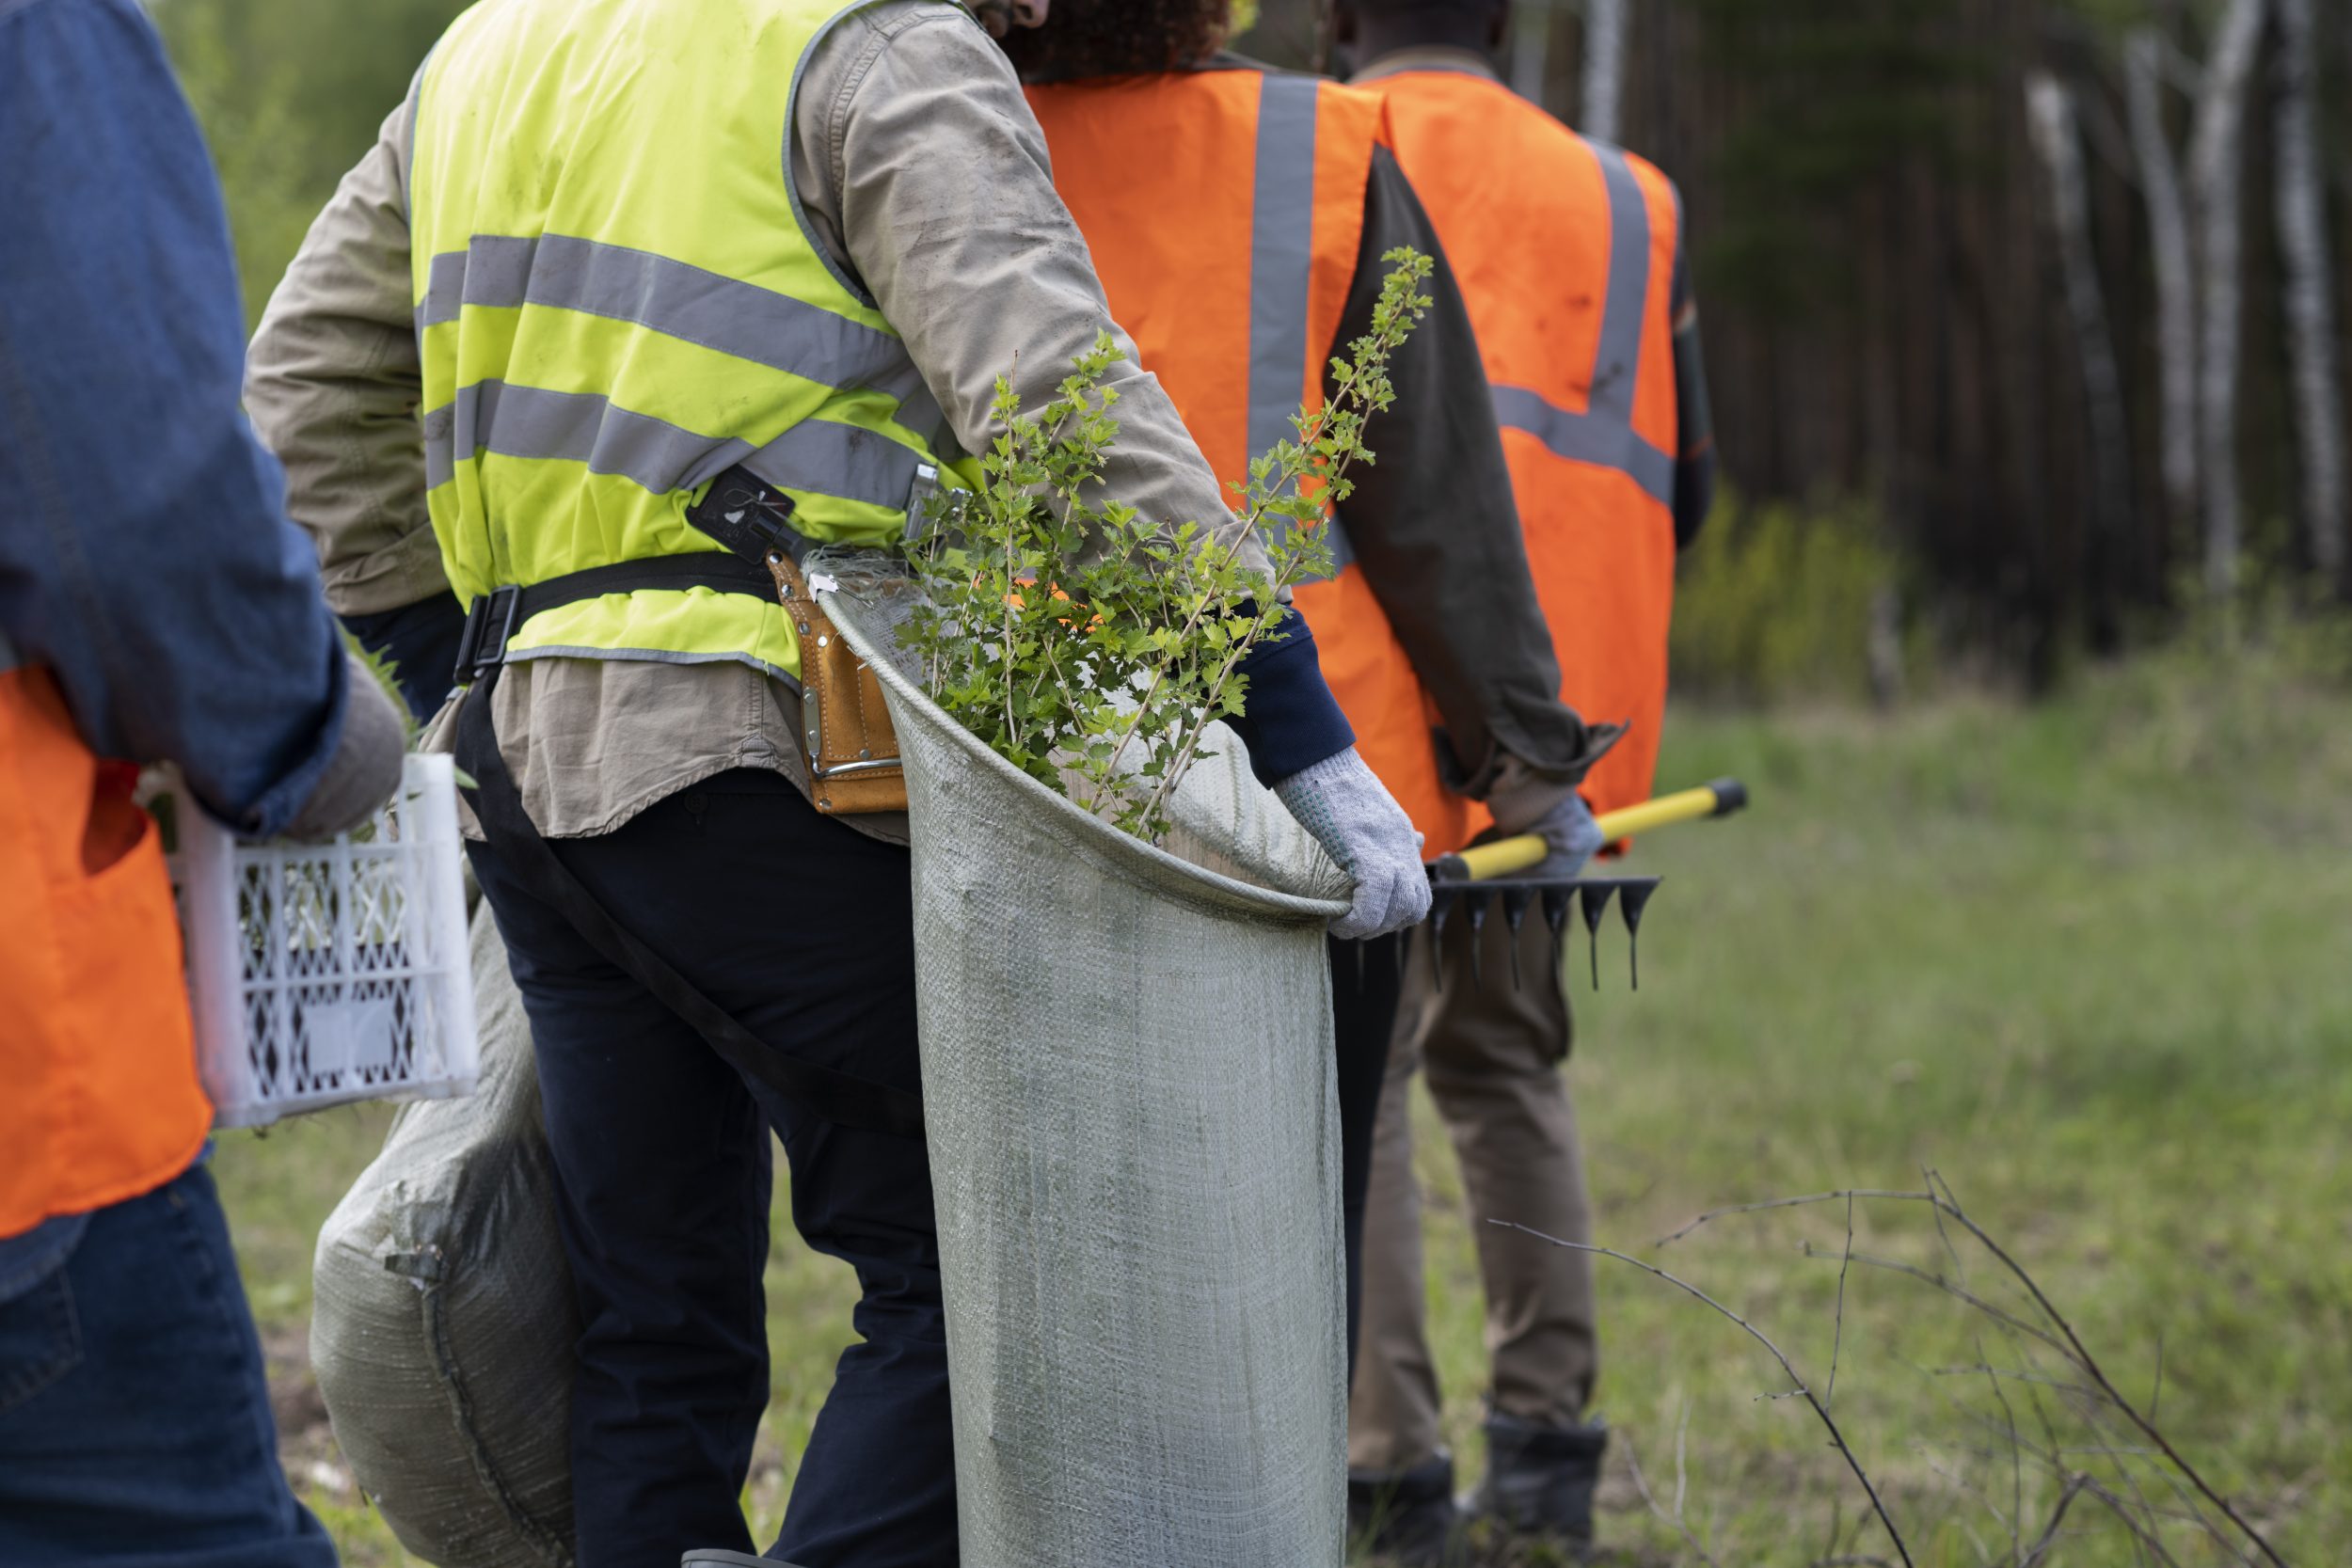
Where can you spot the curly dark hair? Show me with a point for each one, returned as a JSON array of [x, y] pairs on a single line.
[[1084, 38]]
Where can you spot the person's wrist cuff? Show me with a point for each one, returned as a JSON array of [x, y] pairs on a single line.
[[1290, 720]]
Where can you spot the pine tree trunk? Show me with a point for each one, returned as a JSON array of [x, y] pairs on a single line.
[[2050, 114], [2216, 155], [2168, 252], [1598, 114], [2302, 216]]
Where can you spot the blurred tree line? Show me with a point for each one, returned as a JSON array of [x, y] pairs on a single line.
[[291, 93], [2024, 282], [1933, 241]]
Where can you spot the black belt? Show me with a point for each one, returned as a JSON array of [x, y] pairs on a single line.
[[838, 1096], [494, 618]]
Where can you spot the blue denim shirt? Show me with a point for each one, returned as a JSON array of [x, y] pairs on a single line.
[[145, 554]]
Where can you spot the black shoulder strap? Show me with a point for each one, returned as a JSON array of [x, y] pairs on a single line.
[[838, 1096]]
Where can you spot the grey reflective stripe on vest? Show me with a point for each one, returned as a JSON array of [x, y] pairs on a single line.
[[1604, 432], [1282, 254], [1587, 439], [583, 427], [565, 273], [1282, 265]]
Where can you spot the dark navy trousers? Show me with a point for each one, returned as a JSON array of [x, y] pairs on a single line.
[[1367, 978], [804, 929]]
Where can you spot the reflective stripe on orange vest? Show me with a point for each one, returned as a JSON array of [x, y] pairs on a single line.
[[1564, 250], [1224, 210], [99, 1097], [1602, 433]]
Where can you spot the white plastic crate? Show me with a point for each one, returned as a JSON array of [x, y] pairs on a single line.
[[322, 974]]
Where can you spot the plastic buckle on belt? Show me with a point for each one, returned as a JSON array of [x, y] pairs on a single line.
[[490, 622]]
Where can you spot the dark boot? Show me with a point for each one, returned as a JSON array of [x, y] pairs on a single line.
[[1406, 1517], [1540, 1479]]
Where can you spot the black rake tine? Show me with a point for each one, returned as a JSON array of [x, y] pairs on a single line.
[[1594, 897], [1513, 912], [1556, 916], [1440, 903], [1476, 904], [1359, 946], [1630, 903]]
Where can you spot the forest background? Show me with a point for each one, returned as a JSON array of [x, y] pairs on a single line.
[[2022, 613]]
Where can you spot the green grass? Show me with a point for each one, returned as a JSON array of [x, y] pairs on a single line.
[[2088, 959]]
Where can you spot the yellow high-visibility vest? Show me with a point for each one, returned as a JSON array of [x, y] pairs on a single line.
[[617, 298]]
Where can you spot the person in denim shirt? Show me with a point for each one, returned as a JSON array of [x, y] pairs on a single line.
[[147, 565]]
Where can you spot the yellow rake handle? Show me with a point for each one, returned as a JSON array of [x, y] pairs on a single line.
[[1508, 855]]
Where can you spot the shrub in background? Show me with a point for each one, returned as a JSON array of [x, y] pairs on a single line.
[[1776, 601]]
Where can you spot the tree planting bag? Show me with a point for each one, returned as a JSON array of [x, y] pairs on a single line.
[[442, 1326], [1129, 1098]]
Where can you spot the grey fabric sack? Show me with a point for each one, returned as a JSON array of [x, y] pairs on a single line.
[[1129, 1098], [442, 1324]]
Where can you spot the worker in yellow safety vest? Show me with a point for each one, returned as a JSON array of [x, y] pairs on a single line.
[[655, 271], [1571, 259]]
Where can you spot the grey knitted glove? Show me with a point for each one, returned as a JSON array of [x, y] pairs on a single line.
[[1364, 830], [1570, 828], [365, 768]]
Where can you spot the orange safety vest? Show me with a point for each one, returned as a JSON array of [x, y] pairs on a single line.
[[1564, 249], [1224, 210], [99, 1097]]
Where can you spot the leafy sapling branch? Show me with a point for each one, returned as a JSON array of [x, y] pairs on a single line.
[[1091, 646]]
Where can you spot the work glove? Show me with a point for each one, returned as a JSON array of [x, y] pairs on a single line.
[[365, 768], [1367, 834], [1566, 826]]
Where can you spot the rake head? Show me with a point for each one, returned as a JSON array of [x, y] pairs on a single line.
[[1554, 898]]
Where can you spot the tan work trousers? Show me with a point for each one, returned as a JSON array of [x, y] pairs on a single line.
[[1492, 1056]]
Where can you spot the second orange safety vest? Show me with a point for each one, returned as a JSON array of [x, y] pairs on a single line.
[[1564, 249], [1224, 208], [99, 1097]]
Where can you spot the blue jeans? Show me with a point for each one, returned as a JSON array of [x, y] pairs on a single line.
[[134, 1421]]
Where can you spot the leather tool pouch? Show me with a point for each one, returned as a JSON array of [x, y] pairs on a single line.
[[846, 732], [846, 738]]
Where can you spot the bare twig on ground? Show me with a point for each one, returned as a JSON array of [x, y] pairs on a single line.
[[2055, 1331], [2139, 1528], [2057, 1516], [1837, 1438], [1682, 1458], [2089, 1364], [2000, 1315], [1641, 1484], [2006, 1375], [2016, 1462], [1837, 1333], [1729, 1209]]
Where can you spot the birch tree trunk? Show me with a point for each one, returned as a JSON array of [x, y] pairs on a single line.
[[2168, 252], [2302, 216], [2050, 115], [1603, 90], [2215, 153]]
